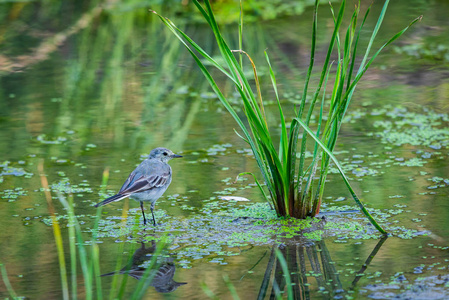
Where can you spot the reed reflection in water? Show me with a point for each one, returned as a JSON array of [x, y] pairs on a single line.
[[303, 261]]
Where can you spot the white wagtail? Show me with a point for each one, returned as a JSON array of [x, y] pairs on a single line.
[[148, 181]]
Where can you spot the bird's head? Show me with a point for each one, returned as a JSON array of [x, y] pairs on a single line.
[[163, 154]]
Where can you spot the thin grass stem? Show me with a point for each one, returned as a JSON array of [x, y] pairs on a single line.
[[286, 272], [6, 281], [149, 273], [208, 291], [84, 261], [56, 232], [119, 261], [231, 287], [72, 247]]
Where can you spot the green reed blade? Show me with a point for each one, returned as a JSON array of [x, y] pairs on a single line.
[[283, 144], [241, 34], [61, 257], [6, 281], [294, 131], [231, 287], [56, 231], [267, 275], [260, 188], [97, 273], [251, 115], [150, 272], [373, 35], [359, 75], [345, 179], [180, 35], [316, 155], [88, 286], [312, 58], [277, 291], [286, 272], [94, 264], [123, 220], [233, 64], [356, 43], [73, 256], [321, 81], [208, 291]]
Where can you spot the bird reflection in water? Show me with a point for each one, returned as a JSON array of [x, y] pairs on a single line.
[[162, 280]]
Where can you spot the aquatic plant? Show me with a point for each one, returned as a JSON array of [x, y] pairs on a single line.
[[79, 255], [295, 187]]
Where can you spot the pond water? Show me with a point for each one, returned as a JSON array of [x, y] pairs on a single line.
[[86, 89]]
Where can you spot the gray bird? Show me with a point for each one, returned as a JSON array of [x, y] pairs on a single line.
[[148, 181]]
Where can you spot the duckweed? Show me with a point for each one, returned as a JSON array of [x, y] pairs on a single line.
[[223, 228], [400, 126], [8, 170]]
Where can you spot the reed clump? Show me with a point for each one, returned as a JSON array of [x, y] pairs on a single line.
[[295, 185]]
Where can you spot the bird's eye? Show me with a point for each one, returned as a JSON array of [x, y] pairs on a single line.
[[165, 153]]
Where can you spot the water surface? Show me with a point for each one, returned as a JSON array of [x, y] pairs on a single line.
[[100, 93]]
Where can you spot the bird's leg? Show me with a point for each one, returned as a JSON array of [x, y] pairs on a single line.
[[143, 213], [152, 208]]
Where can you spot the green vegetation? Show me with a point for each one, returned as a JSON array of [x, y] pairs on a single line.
[[293, 268], [293, 187], [89, 261], [228, 226], [86, 86]]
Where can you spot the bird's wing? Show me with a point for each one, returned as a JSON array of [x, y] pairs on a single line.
[[135, 184], [128, 182]]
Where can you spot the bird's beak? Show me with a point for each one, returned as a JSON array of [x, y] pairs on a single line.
[[176, 156]]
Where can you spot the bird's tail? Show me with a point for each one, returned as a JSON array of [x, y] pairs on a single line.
[[114, 198]]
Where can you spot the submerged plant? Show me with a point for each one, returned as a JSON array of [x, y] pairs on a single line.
[[295, 187]]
